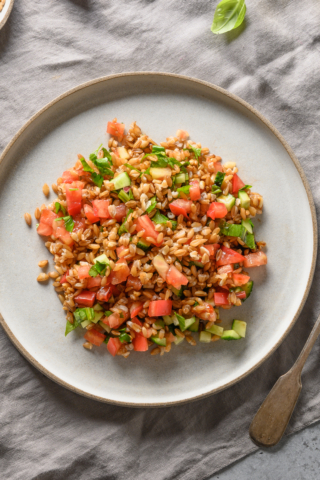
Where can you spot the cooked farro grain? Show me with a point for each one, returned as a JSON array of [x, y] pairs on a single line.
[[28, 219], [149, 241], [43, 263]]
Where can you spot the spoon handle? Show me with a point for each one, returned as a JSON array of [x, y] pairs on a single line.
[[273, 416]]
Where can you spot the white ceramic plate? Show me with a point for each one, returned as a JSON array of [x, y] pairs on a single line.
[[160, 103], [5, 12]]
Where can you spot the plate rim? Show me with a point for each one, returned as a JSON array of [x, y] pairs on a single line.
[[7, 15], [295, 161]]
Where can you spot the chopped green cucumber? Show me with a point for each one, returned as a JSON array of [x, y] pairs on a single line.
[[205, 337], [102, 259], [125, 197], [97, 307], [195, 326], [244, 199], [85, 323], [159, 341], [234, 230], [230, 335], [196, 264], [228, 200], [181, 177], [240, 327], [248, 289], [167, 320], [143, 244], [162, 219], [248, 225], [90, 313], [175, 320], [121, 181], [159, 323], [97, 316], [215, 330], [185, 323], [177, 292], [178, 340], [105, 327], [249, 241]]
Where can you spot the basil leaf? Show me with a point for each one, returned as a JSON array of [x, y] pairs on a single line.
[[229, 14], [97, 179], [219, 179], [196, 151], [59, 207], [245, 187], [152, 205], [68, 223]]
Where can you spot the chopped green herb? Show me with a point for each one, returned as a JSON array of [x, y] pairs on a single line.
[[229, 14], [86, 166], [108, 313], [245, 187], [196, 151], [97, 179], [158, 149], [195, 304], [68, 222], [152, 205], [80, 315], [216, 190], [98, 268], [162, 219], [219, 179], [125, 197], [124, 337], [123, 228], [185, 189], [59, 207], [73, 189]]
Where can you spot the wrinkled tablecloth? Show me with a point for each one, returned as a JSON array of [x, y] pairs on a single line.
[[272, 61]]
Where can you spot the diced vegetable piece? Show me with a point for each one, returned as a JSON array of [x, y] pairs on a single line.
[[221, 298], [105, 327], [46, 221], [229, 256], [240, 279], [94, 337], [212, 249], [247, 288], [195, 193], [135, 309], [121, 211], [227, 200], [113, 346], [105, 293], [124, 337], [70, 176], [121, 275], [122, 152], [114, 320], [134, 282], [234, 230], [180, 207], [121, 181], [144, 223], [159, 341], [78, 223], [102, 259], [63, 279], [94, 282], [59, 231], [97, 317], [83, 271], [230, 335], [217, 210], [158, 218], [74, 198], [178, 340], [240, 327], [44, 230], [160, 173], [140, 343], [161, 266], [244, 199], [249, 241], [225, 269], [88, 210], [248, 225], [218, 167], [185, 323], [97, 307], [215, 330], [136, 321], [181, 178], [205, 337], [100, 208], [237, 183], [241, 295], [143, 244], [167, 320], [159, 308], [194, 327], [85, 298], [176, 278], [255, 259], [116, 130]]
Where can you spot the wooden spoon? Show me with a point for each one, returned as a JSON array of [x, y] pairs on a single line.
[[273, 416]]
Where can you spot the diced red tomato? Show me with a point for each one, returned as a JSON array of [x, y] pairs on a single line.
[[88, 210], [134, 282], [218, 167], [94, 282], [100, 208], [144, 223], [85, 298], [180, 207], [240, 279], [114, 321], [95, 337], [229, 256], [116, 129], [255, 259], [46, 220], [59, 231], [237, 183], [207, 314], [140, 343], [221, 298], [79, 223], [241, 295], [44, 230], [105, 293], [135, 309], [121, 211], [176, 278], [217, 210], [63, 279], [74, 197], [195, 193], [121, 275], [70, 176], [113, 346], [136, 321], [225, 269], [158, 308], [83, 271], [212, 249], [182, 135]]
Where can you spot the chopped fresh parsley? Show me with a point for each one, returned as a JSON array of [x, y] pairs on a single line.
[[219, 179], [97, 179], [153, 204], [68, 222], [124, 337], [185, 189], [59, 207], [245, 187], [216, 190], [162, 219], [99, 268], [195, 150], [123, 228], [108, 313]]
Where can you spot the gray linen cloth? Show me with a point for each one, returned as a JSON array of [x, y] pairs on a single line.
[[272, 62]]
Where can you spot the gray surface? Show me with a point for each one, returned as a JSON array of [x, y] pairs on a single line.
[[273, 63]]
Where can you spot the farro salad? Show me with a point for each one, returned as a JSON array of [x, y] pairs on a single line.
[[149, 242]]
